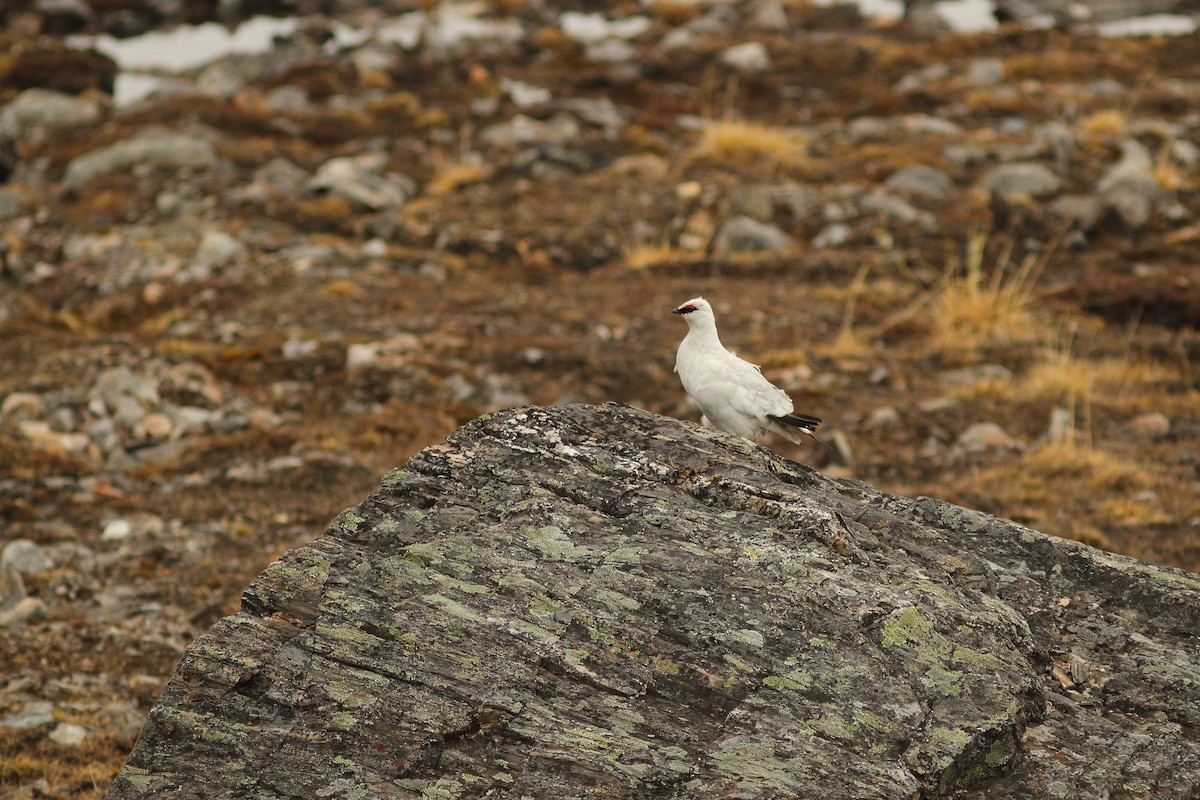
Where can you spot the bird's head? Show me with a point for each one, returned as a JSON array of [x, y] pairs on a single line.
[[694, 310]]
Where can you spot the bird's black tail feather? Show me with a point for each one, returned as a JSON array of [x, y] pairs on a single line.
[[799, 421]]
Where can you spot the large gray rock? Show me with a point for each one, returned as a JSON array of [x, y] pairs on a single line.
[[163, 148], [600, 602]]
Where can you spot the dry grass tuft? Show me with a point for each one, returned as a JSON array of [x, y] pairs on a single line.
[[453, 176], [645, 255], [850, 344], [1107, 122], [1085, 469], [742, 142], [969, 310]]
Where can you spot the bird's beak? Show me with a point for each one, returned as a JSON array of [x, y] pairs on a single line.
[[677, 311]]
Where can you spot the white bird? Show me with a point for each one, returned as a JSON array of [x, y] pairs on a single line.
[[732, 394]]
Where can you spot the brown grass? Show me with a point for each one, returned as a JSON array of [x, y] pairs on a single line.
[[970, 309], [744, 142], [453, 176], [646, 255]]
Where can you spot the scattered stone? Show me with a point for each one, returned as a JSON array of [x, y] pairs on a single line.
[[883, 417], [920, 180], [985, 72], [832, 236], [1082, 210], [116, 530], [985, 436], [126, 396], [45, 438], [748, 57], [68, 734], [36, 113], [25, 557], [561, 129], [217, 248], [770, 15], [33, 715], [746, 235], [889, 205], [358, 178], [1022, 179], [1152, 426], [525, 95], [589, 29], [21, 405], [172, 150], [392, 353]]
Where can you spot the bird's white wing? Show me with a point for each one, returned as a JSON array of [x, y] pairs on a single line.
[[723, 384]]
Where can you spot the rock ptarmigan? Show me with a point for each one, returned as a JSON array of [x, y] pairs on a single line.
[[732, 394]]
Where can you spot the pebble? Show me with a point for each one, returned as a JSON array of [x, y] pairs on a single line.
[[985, 436], [68, 734], [741, 234], [748, 57], [883, 417], [985, 72], [920, 180], [116, 530], [25, 557], [832, 236], [561, 129], [21, 405], [1022, 179], [217, 248], [358, 178], [36, 113]]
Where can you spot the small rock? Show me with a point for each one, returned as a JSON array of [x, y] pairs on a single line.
[[357, 178], [770, 15], [883, 417], [833, 235], [745, 235], [25, 557], [985, 72], [525, 95], [748, 57], [217, 248], [560, 130], [34, 715], [43, 437], [594, 28], [126, 396], [1022, 178], [116, 530], [68, 734], [168, 149], [26, 610], [1083, 210], [920, 180], [985, 436], [156, 426], [889, 205], [21, 405], [38, 112], [1154, 425]]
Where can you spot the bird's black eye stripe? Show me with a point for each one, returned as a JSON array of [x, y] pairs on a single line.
[[687, 309]]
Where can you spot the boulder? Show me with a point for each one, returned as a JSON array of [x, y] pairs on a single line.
[[595, 601]]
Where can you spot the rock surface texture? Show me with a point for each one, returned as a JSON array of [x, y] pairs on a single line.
[[594, 601]]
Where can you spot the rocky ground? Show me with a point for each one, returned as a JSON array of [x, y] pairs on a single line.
[[227, 310]]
